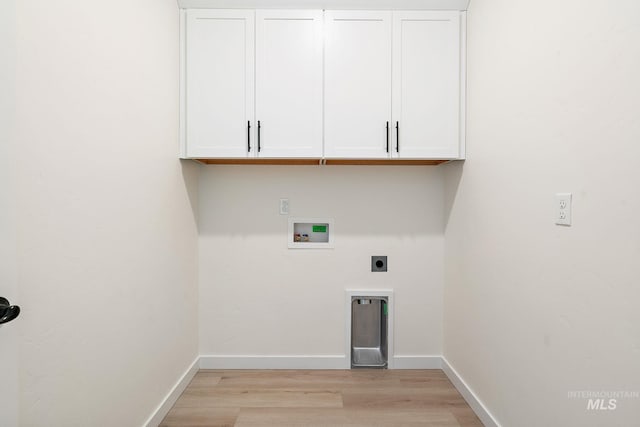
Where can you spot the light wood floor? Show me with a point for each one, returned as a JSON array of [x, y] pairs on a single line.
[[321, 398]]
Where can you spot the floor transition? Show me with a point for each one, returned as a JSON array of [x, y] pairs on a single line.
[[321, 398]]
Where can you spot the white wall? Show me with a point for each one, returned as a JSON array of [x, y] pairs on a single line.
[[259, 298], [534, 310], [107, 229], [9, 343]]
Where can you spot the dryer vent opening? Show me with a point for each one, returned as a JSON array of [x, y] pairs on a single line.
[[369, 327]]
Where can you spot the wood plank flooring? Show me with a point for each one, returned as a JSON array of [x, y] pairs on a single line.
[[352, 398]]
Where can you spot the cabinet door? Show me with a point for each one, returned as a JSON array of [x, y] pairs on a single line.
[[357, 83], [426, 84], [219, 82], [289, 83]]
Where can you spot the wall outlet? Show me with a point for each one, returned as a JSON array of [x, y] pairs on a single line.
[[563, 209], [378, 263], [284, 206]]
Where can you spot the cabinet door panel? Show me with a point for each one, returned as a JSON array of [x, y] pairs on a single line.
[[357, 83], [220, 82], [289, 82], [426, 84]]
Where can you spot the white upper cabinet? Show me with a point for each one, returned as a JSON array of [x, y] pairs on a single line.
[[289, 83], [426, 85], [219, 84], [357, 87], [400, 67], [308, 84]]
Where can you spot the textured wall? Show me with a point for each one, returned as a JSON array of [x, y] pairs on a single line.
[[107, 256], [533, 310], [8, 216], [259, 298]]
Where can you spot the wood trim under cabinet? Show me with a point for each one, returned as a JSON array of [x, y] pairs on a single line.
[[259, 161], [384, 162], [364, 162]]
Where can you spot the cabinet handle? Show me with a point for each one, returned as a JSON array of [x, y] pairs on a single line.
[[259, 147], [387, 137], [397, 137], [248, 136]]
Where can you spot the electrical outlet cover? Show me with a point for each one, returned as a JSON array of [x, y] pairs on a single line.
[[284, 206], [378, 263], [563, 209]]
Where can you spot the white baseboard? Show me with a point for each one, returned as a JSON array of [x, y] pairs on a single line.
[[273, 362], [416, 362], [167, 403], [478, 407], [309, 362]]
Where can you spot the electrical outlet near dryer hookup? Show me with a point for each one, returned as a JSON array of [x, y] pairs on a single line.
[[378, 263]]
